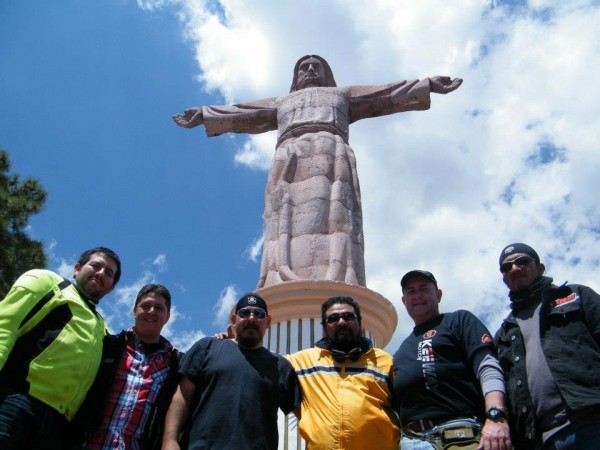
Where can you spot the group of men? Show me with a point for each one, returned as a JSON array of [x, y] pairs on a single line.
[[450, 385]]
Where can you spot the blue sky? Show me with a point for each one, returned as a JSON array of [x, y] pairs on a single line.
[[88, 90]]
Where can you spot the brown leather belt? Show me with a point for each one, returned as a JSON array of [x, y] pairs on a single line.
[[424, 424]]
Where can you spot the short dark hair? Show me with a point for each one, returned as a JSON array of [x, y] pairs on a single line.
[[157, 289], [339, 300], [85, 257]]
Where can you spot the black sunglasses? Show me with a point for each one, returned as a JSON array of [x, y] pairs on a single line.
[[335, 318], [521, 261], [259, 313]]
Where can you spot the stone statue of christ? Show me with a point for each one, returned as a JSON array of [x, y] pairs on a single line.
[[313, 218]]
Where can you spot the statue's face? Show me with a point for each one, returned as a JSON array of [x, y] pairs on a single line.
[[311, 73]]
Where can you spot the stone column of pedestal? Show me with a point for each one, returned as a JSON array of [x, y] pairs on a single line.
[[295, 309]]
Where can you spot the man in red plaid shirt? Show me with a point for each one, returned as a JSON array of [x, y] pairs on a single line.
[[136, 381]]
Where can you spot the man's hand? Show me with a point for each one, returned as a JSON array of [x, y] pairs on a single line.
[[170, 445], [177, 413], [221, 336], [495, 435], [444, 85], [229, 334], [191, 118]]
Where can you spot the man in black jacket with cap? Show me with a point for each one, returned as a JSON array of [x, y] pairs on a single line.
[[549, 348]]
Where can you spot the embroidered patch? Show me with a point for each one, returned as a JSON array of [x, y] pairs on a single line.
[[429, 334], [486, 339], [563, 301]]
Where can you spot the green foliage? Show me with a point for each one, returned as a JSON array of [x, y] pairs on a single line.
[[18, 201]]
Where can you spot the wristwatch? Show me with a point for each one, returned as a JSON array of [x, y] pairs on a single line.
[[495, 414]]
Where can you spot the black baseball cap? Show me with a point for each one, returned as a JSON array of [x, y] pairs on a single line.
[[518, 247], [251, 299], [421, 273]]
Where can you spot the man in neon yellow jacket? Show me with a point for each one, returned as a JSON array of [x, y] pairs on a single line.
[[50, 349], [346, 385]]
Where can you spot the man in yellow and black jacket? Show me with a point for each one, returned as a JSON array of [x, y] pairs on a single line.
[[346, 385], [50, 349]]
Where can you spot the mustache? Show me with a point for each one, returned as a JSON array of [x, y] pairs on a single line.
[[251, 326], [343, 329]]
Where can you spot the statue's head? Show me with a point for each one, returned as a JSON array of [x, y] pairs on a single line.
[[312, 71]]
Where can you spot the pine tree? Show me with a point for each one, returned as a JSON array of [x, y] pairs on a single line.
[[18, 201]]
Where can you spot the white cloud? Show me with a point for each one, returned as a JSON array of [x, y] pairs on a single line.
[[224, 305], [181, 288], [510, 156], [167, 330], [126, 294], [255, 248], [151, 5], [160, 262], [65, 269], [257, 151], [186, 339]]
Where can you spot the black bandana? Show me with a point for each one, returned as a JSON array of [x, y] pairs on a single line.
[[525, 297], [340, 356]]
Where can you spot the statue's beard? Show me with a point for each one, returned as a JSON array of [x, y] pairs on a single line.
[[312, 81]]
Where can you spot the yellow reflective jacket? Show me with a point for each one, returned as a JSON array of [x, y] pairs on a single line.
[[348, 405], [50, 341]]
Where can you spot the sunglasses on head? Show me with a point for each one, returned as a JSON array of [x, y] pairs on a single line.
[[521, 261], [259, 313], [335, 318]]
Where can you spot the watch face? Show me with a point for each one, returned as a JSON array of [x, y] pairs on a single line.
[[495, 413]]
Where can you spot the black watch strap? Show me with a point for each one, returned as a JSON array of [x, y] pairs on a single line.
[[495, 413]]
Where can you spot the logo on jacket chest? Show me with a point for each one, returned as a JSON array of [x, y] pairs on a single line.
[[564, 301]]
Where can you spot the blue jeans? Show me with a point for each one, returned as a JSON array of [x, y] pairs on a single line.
[[456, 434], [407, 443], [575, 437], [28, 424]]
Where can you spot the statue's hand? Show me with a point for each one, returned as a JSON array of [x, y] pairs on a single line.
[[443, 85], [191, 118]]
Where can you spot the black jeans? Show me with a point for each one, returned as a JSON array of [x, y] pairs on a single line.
[[28, 424]]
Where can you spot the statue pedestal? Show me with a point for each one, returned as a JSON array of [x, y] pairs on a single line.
[[301, 300]]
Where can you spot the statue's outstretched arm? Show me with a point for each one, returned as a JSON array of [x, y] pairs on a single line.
[[444, 85], [191, 118]]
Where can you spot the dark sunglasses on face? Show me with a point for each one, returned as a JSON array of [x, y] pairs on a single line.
[[335, 318], [521, 261], [259, 313]]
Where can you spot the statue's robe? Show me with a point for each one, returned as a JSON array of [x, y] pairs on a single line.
[[313, 217]]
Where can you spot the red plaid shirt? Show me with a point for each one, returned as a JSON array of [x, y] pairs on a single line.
[[135, 388]]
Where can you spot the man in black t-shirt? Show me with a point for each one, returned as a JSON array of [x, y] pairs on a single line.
[[447, 380], [231, 389]]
